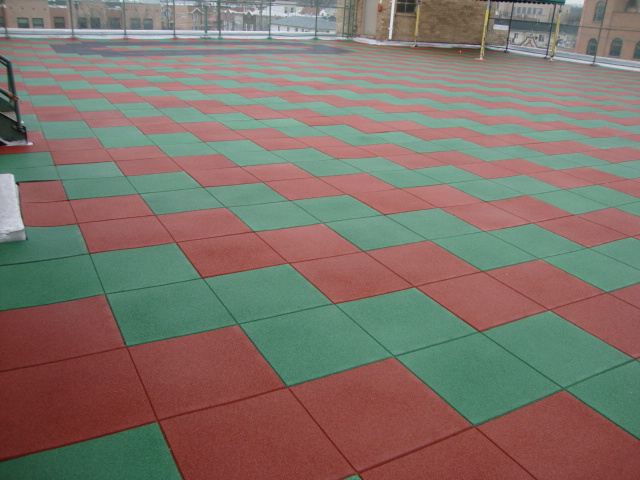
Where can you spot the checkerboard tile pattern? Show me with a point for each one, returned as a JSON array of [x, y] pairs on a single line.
[[327, 260]]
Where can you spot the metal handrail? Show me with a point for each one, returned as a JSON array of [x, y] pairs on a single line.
[[12, 94]]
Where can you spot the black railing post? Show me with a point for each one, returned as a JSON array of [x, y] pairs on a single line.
[[73, 33], [506, 49], [604, 12], [219, 22], [124, 17], [546, 55], [270, 3], [174, 19], [315, 30], [206, 19]]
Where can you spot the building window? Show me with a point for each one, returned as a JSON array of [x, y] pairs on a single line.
[[23, 22], [135, 24], [406, 6], [2, 22], [592, 46], [636, 52], [83, 22], [631, 6], [95, 22], [114, 23], [37, 22], [598, 15], [147, 23], [541, 38], [196, 18], [616, 47], [59, 22]]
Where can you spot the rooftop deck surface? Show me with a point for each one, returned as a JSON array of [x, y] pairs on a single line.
[[320, 260]]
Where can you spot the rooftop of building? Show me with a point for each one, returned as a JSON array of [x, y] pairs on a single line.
[[320, 260]]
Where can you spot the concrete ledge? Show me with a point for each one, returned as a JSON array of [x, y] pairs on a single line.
[[11, 225]]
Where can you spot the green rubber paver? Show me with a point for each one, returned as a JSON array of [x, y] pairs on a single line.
[[604, 195], [304, 156], [186, 149], [25, 160], [598, 269], [48, 281], [375, 164], [478, 378], [487, 190], [374, 232], [98, 187], [236, 146], [44, 243], [121, 270], [524, 185], [173, 138], [89, 170], [91, 105], [266, 292], [536, 240], [406, 320], [162, 203], [66, 130], [556, 348], [341, 207], [249, 194], [433, 223], [271, 216], [163, 182], [34, 174], [571, 202], [167, 311], [313, 343], [615, 394], [404, 178], [484, 251], [633, 208], [625, 251], [117, 132], [250, 158], [326, 168], [448, 174], [137, 453]]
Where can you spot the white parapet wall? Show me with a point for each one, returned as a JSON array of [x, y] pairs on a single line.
[[11, 224]]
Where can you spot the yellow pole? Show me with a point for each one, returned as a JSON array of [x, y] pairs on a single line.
[[484, 29], [555, 37], [415, 31]]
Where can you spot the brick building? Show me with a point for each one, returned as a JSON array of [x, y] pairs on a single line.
[[610, 28], [450, 21], [86, 14]]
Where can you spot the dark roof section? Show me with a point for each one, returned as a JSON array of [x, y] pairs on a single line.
[[523, 25]]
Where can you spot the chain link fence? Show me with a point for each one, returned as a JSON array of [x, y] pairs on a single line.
[[201, 18], [594, 32]]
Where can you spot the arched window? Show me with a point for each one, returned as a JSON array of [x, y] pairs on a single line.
[[631, 6], [616, 47], [592, 46], [598, 15], [636, 52]]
